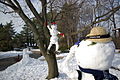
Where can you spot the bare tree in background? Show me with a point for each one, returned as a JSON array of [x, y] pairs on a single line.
[[113, 4], [70, 20], [100, 13]]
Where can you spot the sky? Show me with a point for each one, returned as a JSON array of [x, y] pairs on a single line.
[[17, 22]]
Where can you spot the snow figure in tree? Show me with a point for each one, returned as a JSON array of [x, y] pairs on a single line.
[[54, 36], [94, 56]]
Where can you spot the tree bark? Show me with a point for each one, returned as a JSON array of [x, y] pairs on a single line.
[[114, 23], [52, 64]]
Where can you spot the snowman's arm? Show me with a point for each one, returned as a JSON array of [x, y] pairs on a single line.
[[66, 62], [59, 32], [62, 34], [49, 27], [71, 54], [71, 73]]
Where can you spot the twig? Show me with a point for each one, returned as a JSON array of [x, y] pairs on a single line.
[[112, 67]]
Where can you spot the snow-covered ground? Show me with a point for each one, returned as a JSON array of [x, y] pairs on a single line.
[[12, 54], [36, 69]]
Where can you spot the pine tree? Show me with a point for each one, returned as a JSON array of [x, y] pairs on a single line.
[[7, 34]]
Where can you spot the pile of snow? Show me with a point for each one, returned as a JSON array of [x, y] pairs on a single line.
[[36, 69], [12, 54]]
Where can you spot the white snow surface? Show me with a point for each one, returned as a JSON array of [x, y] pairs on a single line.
[[12, 54], [36, 69]]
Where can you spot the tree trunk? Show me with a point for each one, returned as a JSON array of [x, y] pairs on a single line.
[[119, 33], [114, 23], [52, 64], [68, 41]]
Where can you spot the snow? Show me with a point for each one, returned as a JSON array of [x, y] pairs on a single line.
[[36, 69], [11, 54]]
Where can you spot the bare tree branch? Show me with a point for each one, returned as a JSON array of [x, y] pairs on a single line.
[[100, 20], [108, 17], [17, 3], [5, 12], [58, 19], [80, 5], [44, 10], [10, 4], [5, 3], [111, 11], [55, 18], [36, 14], [51, 10]]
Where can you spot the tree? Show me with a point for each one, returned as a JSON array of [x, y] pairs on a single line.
[[18, 41], [6, 38], [40, 30], [101, 14], [27, 35], [70, 22], [24, 39]]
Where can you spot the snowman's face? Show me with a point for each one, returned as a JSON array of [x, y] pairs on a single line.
[[54, 26]]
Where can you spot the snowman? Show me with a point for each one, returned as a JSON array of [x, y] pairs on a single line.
[[54, 36], [94, 56]]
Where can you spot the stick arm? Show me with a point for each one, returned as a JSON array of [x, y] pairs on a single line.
[[48, 26]]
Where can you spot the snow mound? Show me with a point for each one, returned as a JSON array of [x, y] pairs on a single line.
[[36, 69], [27, 69]]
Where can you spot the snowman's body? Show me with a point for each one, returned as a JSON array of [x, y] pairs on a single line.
[[96, 56], [54, 38]]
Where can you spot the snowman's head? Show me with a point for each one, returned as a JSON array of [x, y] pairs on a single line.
[[98, 34], [54, 25]]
